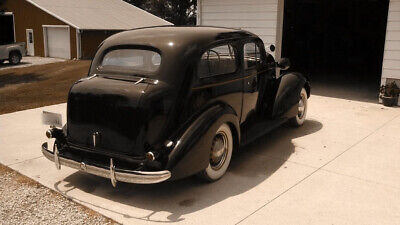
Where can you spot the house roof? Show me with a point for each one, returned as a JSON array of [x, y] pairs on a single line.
[[99, 14]]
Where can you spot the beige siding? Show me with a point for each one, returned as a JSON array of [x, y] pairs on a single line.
[[391, 60], [257, 16]]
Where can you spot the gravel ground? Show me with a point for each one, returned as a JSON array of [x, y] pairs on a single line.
[[23, 201]]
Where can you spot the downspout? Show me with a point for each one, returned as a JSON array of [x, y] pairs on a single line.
[[198, 14], [279, 29], [78, 44], [279, 32]]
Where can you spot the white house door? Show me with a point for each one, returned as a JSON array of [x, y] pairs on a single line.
[[30, 42], [58, 42]]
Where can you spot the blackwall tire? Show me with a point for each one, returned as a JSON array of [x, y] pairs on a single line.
[[15, 58], [299, 119], [220, 154]]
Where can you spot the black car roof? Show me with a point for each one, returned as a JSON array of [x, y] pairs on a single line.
[[163, 37], [179, 46]]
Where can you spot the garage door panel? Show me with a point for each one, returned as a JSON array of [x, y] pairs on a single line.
[[58, 42]]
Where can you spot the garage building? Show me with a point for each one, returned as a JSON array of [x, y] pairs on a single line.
[[353, 43], [70, 29]]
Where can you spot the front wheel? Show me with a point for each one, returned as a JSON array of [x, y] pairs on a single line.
[[299, 119], [220, 154]]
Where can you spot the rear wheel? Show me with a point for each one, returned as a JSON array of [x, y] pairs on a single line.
[[299, 119], [15, 58], [220, 154]]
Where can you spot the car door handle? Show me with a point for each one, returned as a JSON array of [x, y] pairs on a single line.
[[252, 81]]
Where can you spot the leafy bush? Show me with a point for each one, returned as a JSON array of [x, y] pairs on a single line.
[[389, 90]]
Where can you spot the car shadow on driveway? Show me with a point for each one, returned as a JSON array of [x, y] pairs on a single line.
[[251, 166]]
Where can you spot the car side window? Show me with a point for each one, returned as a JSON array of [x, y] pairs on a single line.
[[217, 61], [252, 57]]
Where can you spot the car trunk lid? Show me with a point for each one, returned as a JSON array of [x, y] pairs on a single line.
[[104, 114]]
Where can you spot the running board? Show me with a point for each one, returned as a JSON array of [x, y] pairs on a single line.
[[256, 130]]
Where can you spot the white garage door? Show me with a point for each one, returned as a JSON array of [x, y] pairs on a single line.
[[257, 16], [58, 42]]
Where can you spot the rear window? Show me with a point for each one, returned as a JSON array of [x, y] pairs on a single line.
[[134, 60], [217, 61]]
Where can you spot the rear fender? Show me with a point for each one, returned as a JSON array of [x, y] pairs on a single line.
[[287, 95], [14, 48], [191, 152]]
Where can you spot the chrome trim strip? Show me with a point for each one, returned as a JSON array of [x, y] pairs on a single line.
[[140, 80], [135, 177], [91, 77], [94, 137]]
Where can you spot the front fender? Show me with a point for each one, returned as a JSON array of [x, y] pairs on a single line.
[[192, 150], [287, 95]]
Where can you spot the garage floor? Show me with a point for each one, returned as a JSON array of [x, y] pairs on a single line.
[[341, 167]]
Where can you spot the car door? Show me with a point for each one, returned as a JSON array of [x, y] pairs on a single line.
[[256, 76], [218, 79]]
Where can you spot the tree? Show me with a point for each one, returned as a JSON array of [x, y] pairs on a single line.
[[2, 2], [178, 12]]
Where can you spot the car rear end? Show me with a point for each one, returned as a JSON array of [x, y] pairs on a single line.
[[116, 120]]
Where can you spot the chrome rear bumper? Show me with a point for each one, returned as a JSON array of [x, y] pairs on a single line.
[[135, 177]]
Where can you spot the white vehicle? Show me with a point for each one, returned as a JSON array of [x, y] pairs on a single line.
[[12, 52]]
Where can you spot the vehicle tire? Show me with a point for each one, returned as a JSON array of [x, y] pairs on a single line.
[[299, 119], [15, 58], [220, 154]]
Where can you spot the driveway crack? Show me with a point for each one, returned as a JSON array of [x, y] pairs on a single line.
[[12, 164]]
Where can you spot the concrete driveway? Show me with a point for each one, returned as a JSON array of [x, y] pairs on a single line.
[[341, 167], [31, 61]]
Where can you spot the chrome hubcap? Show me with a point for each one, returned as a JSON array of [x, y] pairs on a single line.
[[14, 59], [219, 150]]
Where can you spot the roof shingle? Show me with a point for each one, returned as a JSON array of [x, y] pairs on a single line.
[[99, 14]]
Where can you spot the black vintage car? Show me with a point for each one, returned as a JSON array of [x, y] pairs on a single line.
[[163, 103]]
